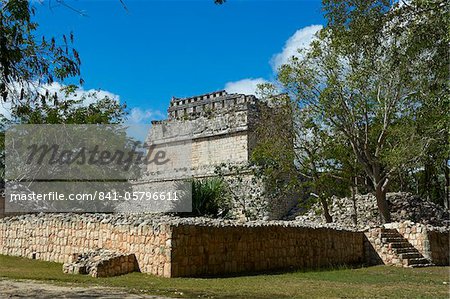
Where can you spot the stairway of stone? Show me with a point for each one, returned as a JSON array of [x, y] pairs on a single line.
[[401, 252]]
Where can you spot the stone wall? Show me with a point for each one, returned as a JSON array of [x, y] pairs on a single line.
[[222, 137], [439, 247], [2, 205], [55, 237], [206, 250], [174, 247], [403, 207], [373, 254], [211, 151]]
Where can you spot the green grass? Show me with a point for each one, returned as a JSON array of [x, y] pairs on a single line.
[[371, 282]]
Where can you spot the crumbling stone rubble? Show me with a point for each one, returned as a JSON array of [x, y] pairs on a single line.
[[101, 263]]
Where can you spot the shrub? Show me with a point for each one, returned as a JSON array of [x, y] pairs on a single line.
[[210, 197]]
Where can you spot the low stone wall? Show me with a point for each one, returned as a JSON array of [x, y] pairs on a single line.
[[373, 253], [55, 237], [177, 247], [2, 205], [171, 247], [209, 250], [439, 247]]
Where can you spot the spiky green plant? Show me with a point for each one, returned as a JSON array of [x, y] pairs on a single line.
[[210, 197]]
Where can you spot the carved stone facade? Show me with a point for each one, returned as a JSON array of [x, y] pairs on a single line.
[[220, 129], [220, 126]]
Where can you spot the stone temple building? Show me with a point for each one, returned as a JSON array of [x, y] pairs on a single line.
[[209, 132], [221, 125], [218, 129]]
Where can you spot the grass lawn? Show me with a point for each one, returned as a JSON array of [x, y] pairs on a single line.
[[372, 282]]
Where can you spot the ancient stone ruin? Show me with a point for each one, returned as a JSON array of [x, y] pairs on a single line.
[[101, 263], [178, 247], [220, 130]]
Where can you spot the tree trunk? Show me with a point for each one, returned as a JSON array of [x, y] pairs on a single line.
[[354, 190], [447, 185], [427, 186], [383, 207], [326, 211]]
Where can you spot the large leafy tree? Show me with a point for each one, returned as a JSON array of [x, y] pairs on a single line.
[[359, 82], [296, 156], [426, 42], [27, 60], [64, 109], [28, 63], [68, 109]]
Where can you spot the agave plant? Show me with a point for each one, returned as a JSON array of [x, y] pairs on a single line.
[[210, 197]]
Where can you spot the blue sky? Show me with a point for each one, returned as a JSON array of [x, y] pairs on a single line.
[[160, 49]]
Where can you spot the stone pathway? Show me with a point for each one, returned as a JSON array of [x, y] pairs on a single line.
[[33, 289]]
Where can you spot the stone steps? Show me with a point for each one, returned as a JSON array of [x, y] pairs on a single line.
[[409, 255], [402, 253], [399, 244], [405, 250], [421, 265], [417, 261], [392, 240]]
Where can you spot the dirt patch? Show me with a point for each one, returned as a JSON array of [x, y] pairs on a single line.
[[33, 289]]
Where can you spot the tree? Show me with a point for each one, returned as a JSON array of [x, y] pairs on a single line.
[[27, 61], [296, 156], [64, 110], [273, 151], [358, 82], [426, 39]]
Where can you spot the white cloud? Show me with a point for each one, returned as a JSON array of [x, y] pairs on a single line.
[[300, 40], [245, 86], [140, 116], [86, 96], [136, 116], [5, 109]]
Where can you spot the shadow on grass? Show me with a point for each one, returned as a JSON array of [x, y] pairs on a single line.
[[282, 271]]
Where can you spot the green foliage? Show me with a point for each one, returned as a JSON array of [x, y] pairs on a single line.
[[273, 152], [244, 181], [296, 157], [27, 60], [367, 82], [210, 198], [66, 111], [70, 111]]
